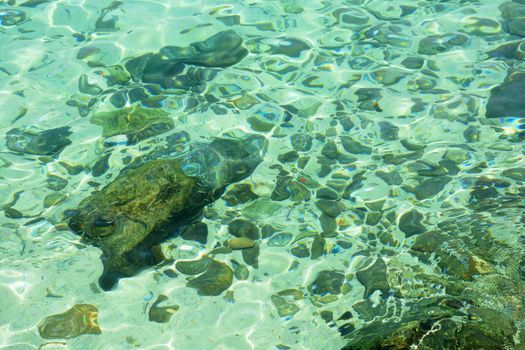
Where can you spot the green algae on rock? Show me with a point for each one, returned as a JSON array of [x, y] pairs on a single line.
[[136, 122], [120, 217], [80, 319], [437, 323], [151, 200]]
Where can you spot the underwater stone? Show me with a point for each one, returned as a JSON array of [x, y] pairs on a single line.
[[154, 68], [300, 251], [288, 157], [318, 246], [280, 239], [389, 34], [299, 192], [148, 201], [86, 88], [329, 207], [472, 133], [80, 319], [437, 323], [243, 228], [329, 150], [217, 278], [391, 178], [354, 147], [10, 17], [367, 98], [514, 17], [327, 282], [374, 277], [268, 230], [87, 51], [327, 193], [410, 223], [161, 314], [284, 308], [53, 199], [220, 50], [193, 267], [119, 99], [517, 174], [251, 256], [101, 165], [389, 76], [328, 223], [290, 47], [373, 218], [429, 188], [281, 190], [197, 232], [506, 99], [240, 271], [388, 131], [30, 140], [241, 243], [482, 26], [136, 122], [439, 43], [239, 194], [56, 183], [117, 75], [413, 62], [432, 170], [479, 266]]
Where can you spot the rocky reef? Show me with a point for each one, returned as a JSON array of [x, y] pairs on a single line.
[[149, 201]]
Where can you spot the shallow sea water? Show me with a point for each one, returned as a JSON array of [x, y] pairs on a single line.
[[400, 148]]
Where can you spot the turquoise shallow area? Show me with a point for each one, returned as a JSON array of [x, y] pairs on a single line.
[[388, 205]]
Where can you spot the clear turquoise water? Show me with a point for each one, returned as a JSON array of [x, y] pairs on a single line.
[[401, 150]]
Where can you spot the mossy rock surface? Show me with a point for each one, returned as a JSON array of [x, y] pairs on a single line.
[[128, 216]]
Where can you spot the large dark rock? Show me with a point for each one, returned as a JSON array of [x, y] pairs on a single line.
[[437, 323], [220, 50], [506, 100], [29, 140], [374, 277], [148, 202]]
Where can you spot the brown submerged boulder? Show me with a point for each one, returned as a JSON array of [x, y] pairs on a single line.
[[151, 201]]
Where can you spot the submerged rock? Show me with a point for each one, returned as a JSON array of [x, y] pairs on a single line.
[[80, 319], [30, 140], [216, 279], [506, 99], [161, 314], [410, 223], [434, 44], [437, 323], [374, 277], [11, 17], [220, 50], [513, 14], [327, 282], [136, 122], [148, 202]]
